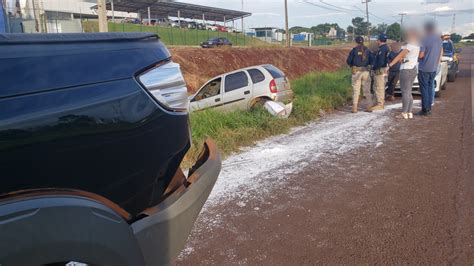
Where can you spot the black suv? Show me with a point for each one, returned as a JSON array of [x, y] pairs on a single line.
[[216, 42], [93, 129]]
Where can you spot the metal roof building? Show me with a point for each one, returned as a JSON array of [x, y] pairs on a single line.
[[160, 8]]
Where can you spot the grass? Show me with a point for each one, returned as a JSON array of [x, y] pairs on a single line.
[[314, 93], [176, 36], [464, 44]]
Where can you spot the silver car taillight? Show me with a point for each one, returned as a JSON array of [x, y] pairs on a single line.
[[166, 83]]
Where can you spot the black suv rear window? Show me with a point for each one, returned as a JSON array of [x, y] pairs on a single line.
[[275, 72], [256, 75]]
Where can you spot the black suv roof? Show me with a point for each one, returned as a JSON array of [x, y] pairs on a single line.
[[21, 38]]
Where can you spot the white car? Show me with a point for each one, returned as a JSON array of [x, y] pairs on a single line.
[[441, 80], [243, 89], [211, 27]]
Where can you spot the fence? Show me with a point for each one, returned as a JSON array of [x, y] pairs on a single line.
[[177, 36]]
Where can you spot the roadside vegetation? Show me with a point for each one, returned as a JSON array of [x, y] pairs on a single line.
[[315, 94], [177, 36]]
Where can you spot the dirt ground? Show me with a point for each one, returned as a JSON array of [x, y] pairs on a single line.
[[363, 189], [294, 62]]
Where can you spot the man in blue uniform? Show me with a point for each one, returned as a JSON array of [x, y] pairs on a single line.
[[360, 59], [393, 71], [380, 68]]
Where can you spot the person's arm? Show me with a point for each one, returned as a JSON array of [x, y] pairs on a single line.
[[422, 55], [422, 51], [387, 51], [350, 58], [399, 57], [371, 57], [441, 55]]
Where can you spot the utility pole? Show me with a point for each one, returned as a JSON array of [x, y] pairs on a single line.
[[35, 12], [113, 10], [453, 27], [243, 28], [286, 25], [402, 15], [102, 12], [366, 2]]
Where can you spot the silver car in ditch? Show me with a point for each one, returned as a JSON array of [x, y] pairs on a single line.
[[243, 89]]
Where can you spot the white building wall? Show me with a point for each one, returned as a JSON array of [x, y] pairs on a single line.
[[79, 7], [65, 6]]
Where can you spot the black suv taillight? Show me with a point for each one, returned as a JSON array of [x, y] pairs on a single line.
[[166, 83]]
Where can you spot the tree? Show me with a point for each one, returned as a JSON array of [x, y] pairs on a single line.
[[456, 38], [350, 32], [350, 29], [298, 29], [394, 31], [323, 29], [381, 28], [470, 36], [360, 26]]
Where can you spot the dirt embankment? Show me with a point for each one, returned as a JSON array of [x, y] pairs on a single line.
[[199, 65]]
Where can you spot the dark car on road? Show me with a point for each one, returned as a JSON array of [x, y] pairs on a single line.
[[450, 55], [216, 42], [93, 130]]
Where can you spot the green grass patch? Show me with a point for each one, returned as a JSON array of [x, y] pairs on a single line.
[[176, 36], [232, 130]]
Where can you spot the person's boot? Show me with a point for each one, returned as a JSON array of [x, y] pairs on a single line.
[[354, 109], [390, 98], [421, 113], [368, 109], [378, 107]]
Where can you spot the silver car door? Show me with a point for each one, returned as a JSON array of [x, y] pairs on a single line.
[[209, 96], [237, 91]]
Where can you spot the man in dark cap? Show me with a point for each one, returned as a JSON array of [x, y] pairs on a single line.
[[360, 59], [380, 68]]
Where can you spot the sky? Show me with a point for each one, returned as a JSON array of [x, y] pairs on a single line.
[[302, 13]]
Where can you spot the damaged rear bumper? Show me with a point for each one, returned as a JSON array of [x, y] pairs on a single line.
[[58, 225], [163, 232]]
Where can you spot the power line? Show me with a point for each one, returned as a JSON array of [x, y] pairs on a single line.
[[373, 15], [330, 7], [321, 6], [334, 6]]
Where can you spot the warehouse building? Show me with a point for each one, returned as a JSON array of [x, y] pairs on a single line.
[[56, 16]]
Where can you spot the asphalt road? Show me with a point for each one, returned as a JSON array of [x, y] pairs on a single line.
[[353, 189]]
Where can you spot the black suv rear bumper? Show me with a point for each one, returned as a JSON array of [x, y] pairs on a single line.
[[61, 227], [163, 233]]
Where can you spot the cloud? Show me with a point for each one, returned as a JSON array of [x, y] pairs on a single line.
[[465, 29], [443, 9], [436, 2]]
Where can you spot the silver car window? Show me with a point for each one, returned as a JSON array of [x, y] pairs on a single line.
[[236, 81]]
